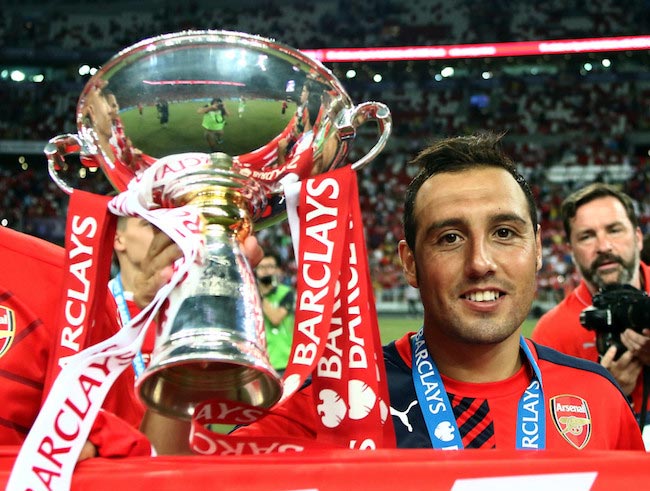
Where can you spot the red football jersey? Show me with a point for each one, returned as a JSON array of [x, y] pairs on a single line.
[[31, 278], [583, 406], [149, 340], [560, 329]]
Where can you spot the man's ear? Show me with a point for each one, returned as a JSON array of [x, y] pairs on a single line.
[[638, 235], [538, 246], [118, 242], [408, 263]]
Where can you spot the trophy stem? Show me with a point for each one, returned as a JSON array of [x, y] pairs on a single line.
[[213, 344]]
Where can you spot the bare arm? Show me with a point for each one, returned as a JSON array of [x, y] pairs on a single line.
[[275, 314], [205, 109], [169, 436]]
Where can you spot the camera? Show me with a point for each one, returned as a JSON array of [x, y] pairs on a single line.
[[616, 308]]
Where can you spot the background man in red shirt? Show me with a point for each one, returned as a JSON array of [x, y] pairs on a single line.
[[603, 232]]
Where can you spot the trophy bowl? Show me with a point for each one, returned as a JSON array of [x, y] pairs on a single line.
[[241, 115]]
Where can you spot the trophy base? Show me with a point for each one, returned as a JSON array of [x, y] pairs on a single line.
[[192, 369]]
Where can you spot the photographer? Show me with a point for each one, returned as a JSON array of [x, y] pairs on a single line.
[[278, 306], [606, 242]]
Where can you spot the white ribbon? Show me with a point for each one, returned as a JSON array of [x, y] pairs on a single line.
[[50, 451]]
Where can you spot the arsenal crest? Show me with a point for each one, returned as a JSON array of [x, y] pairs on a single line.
[[572, 419], [7, 329]]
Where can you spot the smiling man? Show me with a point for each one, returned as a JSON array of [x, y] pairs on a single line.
[[606, 242], [468, 379]]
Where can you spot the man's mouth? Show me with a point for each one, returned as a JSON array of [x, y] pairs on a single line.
[[483, 296], [606, 262], [606, 268]]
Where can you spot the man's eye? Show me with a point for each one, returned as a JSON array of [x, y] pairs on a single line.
[[449, 238], [504, 233]]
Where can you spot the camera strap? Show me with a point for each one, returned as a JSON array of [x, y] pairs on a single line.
[[644, 400]]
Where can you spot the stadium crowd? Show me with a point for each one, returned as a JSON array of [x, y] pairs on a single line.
[[565, 126], [333, 23]]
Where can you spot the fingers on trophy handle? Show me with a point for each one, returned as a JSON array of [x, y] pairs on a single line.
[[371, 111], [56, 150]]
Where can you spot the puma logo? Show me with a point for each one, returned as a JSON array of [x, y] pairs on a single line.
[[403, 415]]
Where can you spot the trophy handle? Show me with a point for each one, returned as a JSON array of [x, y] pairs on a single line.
[[355, 117], [56, 150]]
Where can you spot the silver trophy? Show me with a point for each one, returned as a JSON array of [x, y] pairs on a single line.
[[255, 114]]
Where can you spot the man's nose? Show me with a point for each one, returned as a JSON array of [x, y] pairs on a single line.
[[480, 261], [603, 242]]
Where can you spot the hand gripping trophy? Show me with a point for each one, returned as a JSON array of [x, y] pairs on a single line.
[[167, 102]]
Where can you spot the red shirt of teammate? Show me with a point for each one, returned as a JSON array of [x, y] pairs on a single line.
[[31, 279]]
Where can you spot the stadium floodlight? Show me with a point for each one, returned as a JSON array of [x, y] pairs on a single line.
[[447, 71], [17, 75], [514, 49]]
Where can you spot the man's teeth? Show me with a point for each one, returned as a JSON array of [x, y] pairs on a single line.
[[486, 296]]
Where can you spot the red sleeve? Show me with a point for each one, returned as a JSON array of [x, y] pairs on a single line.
[[113, 437], [629, 436], [121, 399], [294, 418], [544, 331], [30, 282], [24, 342], [560, 329]]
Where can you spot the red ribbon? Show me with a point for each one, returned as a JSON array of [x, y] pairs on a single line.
[[90, 228], [336, 336]]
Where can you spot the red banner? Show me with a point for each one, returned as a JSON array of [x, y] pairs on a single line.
[[379, 470]]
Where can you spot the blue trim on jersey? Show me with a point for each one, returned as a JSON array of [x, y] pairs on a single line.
[[558, 358]]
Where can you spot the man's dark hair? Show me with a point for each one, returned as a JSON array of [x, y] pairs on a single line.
[[275, 255], [590, 193], [455, 155]]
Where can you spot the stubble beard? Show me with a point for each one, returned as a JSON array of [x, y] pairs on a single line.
[[625, 274]]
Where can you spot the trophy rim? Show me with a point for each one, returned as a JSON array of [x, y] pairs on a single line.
[[203, 37]]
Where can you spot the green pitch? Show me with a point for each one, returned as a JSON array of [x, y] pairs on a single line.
[[261, 122]]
